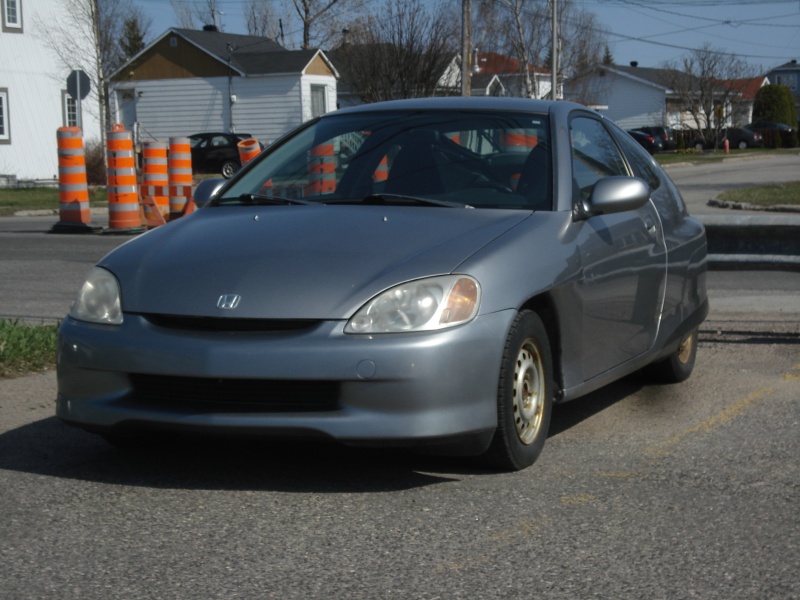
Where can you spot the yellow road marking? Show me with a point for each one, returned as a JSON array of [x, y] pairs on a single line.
[[721, 418]]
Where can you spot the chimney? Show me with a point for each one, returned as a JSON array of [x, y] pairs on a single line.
[[210, 28], [634, 64]]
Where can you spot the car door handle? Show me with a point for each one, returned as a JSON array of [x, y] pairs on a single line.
[[652, 230]]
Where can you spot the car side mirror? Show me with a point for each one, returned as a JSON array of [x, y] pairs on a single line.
[[206, 189], [614, 195]]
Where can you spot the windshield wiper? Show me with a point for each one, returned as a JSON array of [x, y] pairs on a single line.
[[265, 200], [400, 200]]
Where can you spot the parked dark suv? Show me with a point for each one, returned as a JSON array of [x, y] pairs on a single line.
[[665, 134], [738, 137], [217, 152]]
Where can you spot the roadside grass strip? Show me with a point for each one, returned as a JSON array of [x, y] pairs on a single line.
[[26, 348]]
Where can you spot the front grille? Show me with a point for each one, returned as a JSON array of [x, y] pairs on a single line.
[[232, 395], [229, 324]]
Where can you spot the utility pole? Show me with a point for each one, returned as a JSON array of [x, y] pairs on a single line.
[[554, 66], [466, 42]]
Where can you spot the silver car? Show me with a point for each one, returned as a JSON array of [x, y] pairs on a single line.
[[425, 273]]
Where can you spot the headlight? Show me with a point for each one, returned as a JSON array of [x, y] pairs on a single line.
[[98, 301], [421, 305]]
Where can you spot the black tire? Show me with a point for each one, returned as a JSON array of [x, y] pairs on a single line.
[[698, 146], [229, 168], [742, 145], [524, 396], [678, 366]]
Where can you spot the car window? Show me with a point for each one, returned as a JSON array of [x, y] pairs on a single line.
[[594, 155], [219, 140], [640, 161], [481, 159]]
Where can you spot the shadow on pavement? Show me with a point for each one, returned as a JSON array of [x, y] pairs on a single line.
[[51, 448]]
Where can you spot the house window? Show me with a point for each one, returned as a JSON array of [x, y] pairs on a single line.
[[12, 15], [318, 100], [789, 81], [5, 133], [70, 110]]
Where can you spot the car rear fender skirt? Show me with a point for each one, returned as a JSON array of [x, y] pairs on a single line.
[[677, 335], [633, 365]]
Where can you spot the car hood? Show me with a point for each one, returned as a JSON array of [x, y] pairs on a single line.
[[295, 262]]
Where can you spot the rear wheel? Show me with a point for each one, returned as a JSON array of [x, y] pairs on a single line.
[[678, 366], [229, 168], [524, 396]]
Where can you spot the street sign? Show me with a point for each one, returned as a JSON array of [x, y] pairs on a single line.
[[78, 84]]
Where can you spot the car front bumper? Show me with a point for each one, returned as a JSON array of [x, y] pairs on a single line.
[[397, 389]]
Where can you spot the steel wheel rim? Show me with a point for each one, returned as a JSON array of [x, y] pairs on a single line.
[[528, 392], [685, 349]]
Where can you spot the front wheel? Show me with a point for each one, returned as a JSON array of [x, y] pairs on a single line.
[[742, 145], [524, 396]]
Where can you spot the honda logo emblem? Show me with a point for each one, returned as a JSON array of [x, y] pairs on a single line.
[[228, 301]]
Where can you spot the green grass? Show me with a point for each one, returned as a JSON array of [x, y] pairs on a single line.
[[26, 348], [784, 194], [40, 198], [697, 157]]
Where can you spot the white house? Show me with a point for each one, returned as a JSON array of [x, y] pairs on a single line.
[[495, 74], [637, 96], [33, 92], [190, 81], [631, 96]]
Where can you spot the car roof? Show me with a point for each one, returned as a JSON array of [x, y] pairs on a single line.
[[465, 103]]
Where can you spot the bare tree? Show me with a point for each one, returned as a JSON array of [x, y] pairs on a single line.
[[101, 24], [189, 13], [703, 85], [400, 53], [321, 23], [184, 12], [261, 19], [582, 41], [522, 29]]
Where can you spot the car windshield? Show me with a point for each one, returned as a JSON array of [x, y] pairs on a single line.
[[426, 159]]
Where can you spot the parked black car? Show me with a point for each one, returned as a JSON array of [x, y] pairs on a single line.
[[649, 142], [738, 137], [217, 152], [665, 134], [774, 132]]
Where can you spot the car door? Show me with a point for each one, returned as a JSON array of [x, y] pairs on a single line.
[[623, 259]]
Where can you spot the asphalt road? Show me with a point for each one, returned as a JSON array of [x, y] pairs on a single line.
[[642, 491]]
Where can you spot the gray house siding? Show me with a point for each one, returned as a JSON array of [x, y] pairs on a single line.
[[628, 102]]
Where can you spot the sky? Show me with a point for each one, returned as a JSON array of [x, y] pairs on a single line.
[[764, 33]]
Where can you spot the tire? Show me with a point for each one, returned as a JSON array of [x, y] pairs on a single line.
[[742, 145], [698, 146], [229, 168], [678, 366], [524, 396]]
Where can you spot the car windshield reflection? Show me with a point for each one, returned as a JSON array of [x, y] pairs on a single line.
[[471, 159]]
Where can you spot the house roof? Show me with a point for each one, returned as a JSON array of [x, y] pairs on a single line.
[[222, 45], [791, 65], [748, 88], [499, 64], [483, 83], [248, 54]]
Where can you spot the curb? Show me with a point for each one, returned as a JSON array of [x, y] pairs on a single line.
[[751, 242]]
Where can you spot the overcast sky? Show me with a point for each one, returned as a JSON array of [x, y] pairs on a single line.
[[765, 33]]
